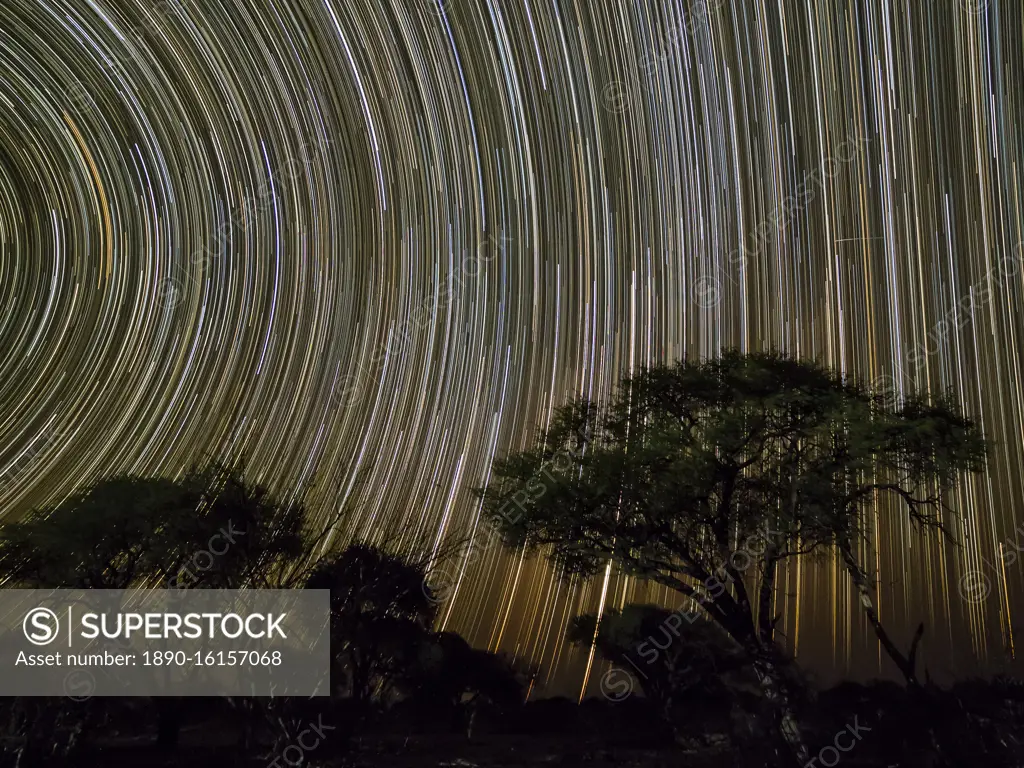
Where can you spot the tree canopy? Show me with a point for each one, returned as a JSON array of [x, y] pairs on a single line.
[[213, 529], [705, 475]]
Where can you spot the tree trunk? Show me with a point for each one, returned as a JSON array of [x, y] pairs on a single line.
[[765, 622], [766, 667], [765, 658], [664, 705], [906, 664]]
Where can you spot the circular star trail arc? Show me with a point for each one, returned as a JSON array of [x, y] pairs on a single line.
[[370, 246]]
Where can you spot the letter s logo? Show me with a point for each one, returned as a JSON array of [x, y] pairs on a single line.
[[40, 626]]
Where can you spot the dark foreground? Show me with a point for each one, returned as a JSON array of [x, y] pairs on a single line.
[[493, 751], [975, 724]]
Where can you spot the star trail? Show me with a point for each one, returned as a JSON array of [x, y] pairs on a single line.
[[370, 246]]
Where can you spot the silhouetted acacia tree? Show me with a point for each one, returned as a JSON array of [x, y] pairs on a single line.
[[707, 475]]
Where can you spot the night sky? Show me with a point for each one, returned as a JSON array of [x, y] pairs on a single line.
[[369, 245]]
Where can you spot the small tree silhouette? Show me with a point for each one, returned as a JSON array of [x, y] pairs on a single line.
[[670, 658], [380, 616], [453, 679]]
